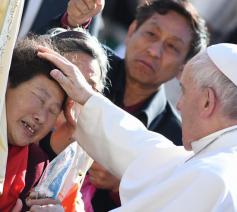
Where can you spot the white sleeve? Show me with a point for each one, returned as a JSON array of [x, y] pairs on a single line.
[[113, 137]]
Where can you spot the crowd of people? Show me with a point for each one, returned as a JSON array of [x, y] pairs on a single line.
[[146, 156]]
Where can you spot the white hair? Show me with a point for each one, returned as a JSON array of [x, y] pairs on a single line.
[[206, 74]]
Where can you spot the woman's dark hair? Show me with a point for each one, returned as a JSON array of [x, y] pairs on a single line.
[[26, 64], [200, 35]]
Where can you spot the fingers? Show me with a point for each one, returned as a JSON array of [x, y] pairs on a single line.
[[45, 49], [59, 76], [46, 201], [101, 4], [97, 172], [69, 76], [71, 113], [58, 60], [46, 208], [36, 195], [80, 11], [68, 106], [74, 10], [91, 4], [85, 5], [102, 179], [61, 62], [97, 167], [18, 206]]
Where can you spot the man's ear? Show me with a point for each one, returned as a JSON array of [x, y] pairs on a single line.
[[132, 28], [208, 102]]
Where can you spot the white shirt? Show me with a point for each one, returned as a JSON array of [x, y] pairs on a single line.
[[157, 175]]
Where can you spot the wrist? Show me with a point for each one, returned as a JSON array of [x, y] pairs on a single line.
[[84, 95], [84, 23]]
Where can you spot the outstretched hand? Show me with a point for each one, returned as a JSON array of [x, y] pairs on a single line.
[[80, 11], [40, 203], [68, 76], [102, 179], [65, 126]]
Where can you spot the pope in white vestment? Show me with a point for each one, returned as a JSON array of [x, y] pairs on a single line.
[[155, 174]]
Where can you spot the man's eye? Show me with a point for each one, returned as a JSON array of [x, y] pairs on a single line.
[[173, 47], [151, 34]]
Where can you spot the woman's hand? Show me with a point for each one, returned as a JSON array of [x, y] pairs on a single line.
[[38, 202]]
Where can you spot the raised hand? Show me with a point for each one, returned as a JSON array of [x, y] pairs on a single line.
[[65, 126], [38, 202], [80, 11], [102, 179]]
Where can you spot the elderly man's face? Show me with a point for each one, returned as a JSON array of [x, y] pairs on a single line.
[[188, 105], [156, 51], [32, 109]]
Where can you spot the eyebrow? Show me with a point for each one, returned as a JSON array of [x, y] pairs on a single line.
[[157, 28], [47, 95]]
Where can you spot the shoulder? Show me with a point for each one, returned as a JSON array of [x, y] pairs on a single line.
[[169, 125], [115, 62], [37, 153], [215, 169]]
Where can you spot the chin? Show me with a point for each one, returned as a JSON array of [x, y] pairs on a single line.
[[22, 142]]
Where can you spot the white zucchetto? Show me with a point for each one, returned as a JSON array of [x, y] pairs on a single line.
[[224, 56]]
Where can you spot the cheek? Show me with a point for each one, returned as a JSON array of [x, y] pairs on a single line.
[[51, 121], [134, 45], [48, 127], [15, 110]]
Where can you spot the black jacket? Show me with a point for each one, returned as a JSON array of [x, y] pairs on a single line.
[[157, 114], [48, 15]]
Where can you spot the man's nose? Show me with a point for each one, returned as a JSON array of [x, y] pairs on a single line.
[[156, 49]]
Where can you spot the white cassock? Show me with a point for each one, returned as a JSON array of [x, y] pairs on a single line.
[[155, 174]]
